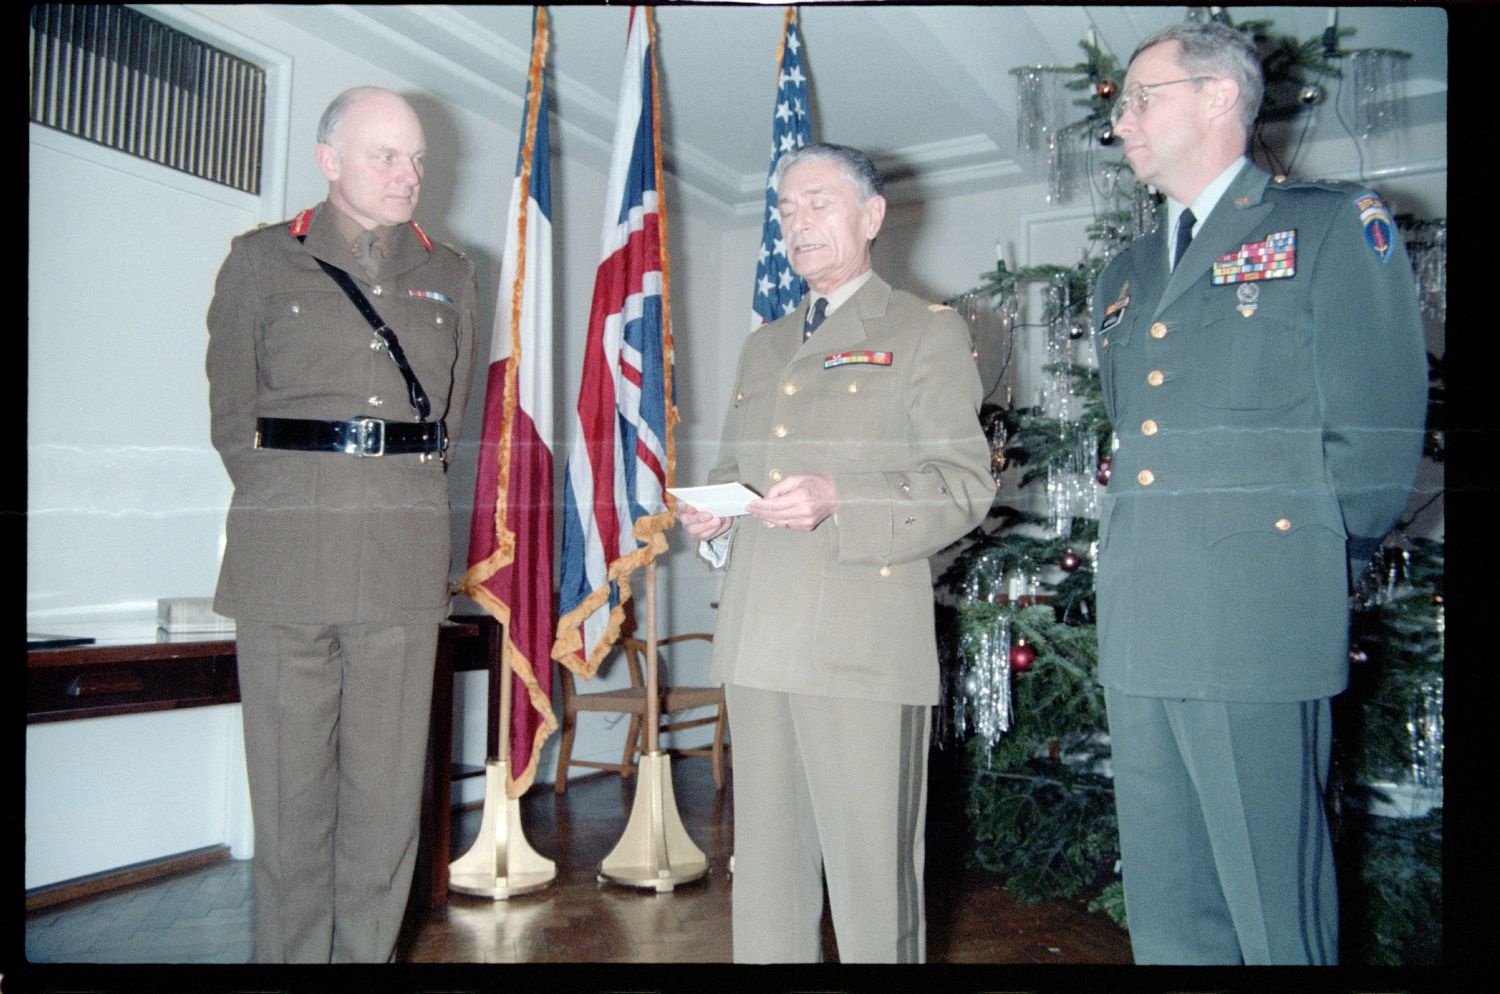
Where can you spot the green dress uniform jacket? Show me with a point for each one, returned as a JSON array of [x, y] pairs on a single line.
[[1267, 398], [884, 399], [319, 537], [1268, 435]]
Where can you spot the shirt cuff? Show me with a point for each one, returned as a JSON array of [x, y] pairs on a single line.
[[715, 551]]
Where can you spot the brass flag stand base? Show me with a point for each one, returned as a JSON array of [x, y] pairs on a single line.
[[501, 863], [655, 852]]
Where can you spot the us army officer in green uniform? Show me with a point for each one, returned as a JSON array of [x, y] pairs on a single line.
[[860, 428], [336, 567], [1267, 395]]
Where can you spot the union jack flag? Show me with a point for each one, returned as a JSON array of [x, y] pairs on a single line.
[[622, 459], [778, 290]]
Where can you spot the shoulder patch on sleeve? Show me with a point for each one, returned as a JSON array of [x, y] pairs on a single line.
[[1379, 226]]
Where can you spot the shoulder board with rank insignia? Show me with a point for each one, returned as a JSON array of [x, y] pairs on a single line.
[[938, 307]]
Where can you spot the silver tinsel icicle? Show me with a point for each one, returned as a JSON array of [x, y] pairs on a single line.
[[1424, 724], [986, 689]]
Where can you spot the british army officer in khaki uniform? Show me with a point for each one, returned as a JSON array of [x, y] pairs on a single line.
[[336, 568], [865, 441], [1267, 393]]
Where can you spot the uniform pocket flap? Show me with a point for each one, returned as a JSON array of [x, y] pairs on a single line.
[[1272, 512]]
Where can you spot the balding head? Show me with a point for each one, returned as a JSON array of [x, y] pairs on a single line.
[[370, 148]]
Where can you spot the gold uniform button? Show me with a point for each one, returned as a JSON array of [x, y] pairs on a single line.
[[1145, 478], [1104, 341], [1159, 330], [296, 308], [739, 397], [854, 388], [377, 289], [885, 571], [1148, 427], [775, 475], [438, 319], [789, 389], [769, 524], [1283, 524], [1156, 377], [779, 431]]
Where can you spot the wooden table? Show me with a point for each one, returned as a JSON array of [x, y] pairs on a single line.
[[137, 676]]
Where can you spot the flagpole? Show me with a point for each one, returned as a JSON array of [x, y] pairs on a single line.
[[656, 852], [501, 863]]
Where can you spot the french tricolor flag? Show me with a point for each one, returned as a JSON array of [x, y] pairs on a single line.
[[511, 534], [622, 459]]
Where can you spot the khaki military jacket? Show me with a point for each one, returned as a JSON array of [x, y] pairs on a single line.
[[322, 537], [884, 399], [1268, 399]]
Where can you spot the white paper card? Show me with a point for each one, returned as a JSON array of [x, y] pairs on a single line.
[[725, 500]]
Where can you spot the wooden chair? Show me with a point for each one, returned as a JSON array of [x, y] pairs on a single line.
[[631, 700]]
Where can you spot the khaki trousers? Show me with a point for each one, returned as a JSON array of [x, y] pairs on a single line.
[[335, 744], [835, 787]]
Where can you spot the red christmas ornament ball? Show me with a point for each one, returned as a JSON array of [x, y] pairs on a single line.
[[1021, 657], [1103, 473], [1107, 89], [1070, 561]]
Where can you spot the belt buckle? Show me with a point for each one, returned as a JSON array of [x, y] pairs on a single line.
[[368, 446], [440, 438]]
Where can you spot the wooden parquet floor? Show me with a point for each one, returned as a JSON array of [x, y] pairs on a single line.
[[203, 916], [971, 918]]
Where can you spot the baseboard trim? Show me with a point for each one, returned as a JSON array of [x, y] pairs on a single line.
[[95, 884]]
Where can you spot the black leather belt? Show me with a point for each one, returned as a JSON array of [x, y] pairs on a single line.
[[359, 437]]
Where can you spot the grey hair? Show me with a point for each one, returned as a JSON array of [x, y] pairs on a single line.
[[1216, 49], [329, 122], [854, 165]]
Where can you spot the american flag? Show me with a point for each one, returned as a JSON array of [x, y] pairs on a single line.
[[510, 535], [778, 290], [622, 458]]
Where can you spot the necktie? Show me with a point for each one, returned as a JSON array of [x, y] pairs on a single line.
[[1184, 235], [815, 318], [366, 252]]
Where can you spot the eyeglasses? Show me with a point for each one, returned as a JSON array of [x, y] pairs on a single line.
[[1137, 96]]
